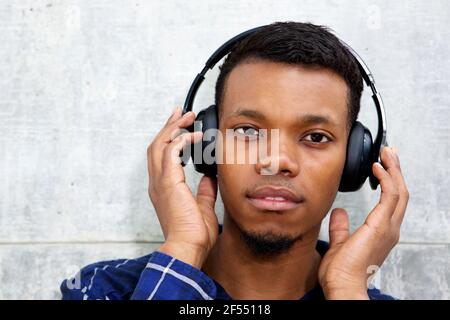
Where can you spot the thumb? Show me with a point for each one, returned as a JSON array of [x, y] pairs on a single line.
[[339, 227], [207, 193]]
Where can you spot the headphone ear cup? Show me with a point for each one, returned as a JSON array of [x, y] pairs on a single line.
[[358, 160], [206, 120]]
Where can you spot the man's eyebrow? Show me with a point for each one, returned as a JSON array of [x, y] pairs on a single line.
[[301, 120], [311, 119], [249, 113]]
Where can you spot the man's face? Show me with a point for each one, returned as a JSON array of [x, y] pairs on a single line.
[[311, 154]]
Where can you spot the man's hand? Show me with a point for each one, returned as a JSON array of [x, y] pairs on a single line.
[[343, 272], [189, 223]]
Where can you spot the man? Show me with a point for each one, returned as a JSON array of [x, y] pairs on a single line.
[[299, 79]]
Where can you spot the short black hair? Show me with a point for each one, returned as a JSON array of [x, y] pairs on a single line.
[[297, 43]]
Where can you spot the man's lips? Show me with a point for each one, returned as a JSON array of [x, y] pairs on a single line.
[[274, 199]]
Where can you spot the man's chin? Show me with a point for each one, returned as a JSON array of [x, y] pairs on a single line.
[[267, 243]]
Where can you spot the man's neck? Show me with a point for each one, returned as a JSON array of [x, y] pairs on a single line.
[[286, 276]]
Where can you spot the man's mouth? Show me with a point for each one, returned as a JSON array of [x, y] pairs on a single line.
[[274, 199]]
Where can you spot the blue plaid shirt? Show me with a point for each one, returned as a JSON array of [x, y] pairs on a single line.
[[159, 276]]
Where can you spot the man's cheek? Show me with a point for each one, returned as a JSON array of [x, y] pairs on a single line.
[[330, 170], [324, 185], [228, 181]]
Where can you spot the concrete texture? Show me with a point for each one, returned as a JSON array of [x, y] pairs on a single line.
[[86, 85]]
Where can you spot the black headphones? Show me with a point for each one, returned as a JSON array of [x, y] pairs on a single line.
[[362, 152]]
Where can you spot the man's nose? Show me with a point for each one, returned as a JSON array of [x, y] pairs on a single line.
[[282, 158]]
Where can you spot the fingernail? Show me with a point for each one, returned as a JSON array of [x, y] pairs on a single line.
[[175, 110], [189, 112], [392, 152], [396, 151]]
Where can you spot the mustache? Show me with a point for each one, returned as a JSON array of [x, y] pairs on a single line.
[[274, 182]]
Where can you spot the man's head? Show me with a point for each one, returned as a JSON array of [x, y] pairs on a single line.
[[297, 78], [298, 44]]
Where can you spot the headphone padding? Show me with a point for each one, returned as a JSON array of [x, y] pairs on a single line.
[[358, 161], [207, 118]]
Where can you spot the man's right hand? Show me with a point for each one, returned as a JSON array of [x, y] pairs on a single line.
[[189, 223]]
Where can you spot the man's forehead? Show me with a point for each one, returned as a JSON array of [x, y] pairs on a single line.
[[268, 90]]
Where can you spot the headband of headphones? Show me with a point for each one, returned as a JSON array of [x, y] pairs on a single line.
[[224, 49]]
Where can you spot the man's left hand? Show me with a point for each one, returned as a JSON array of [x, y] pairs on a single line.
[[344, 269]]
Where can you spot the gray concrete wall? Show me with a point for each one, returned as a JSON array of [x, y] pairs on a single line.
[[85, 86]]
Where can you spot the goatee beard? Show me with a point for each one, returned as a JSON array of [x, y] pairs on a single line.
[[268, 244]]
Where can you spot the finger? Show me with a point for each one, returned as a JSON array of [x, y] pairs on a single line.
[[151, 149], [397, 174], [389, 197], [393, 168], [207, 192], [386, 159], [174, 115], [169, 132], [171, 162], [339, 227], [165, 136]]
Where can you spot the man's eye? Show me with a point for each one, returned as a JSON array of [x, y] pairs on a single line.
[[317, 138], [247, 131]]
